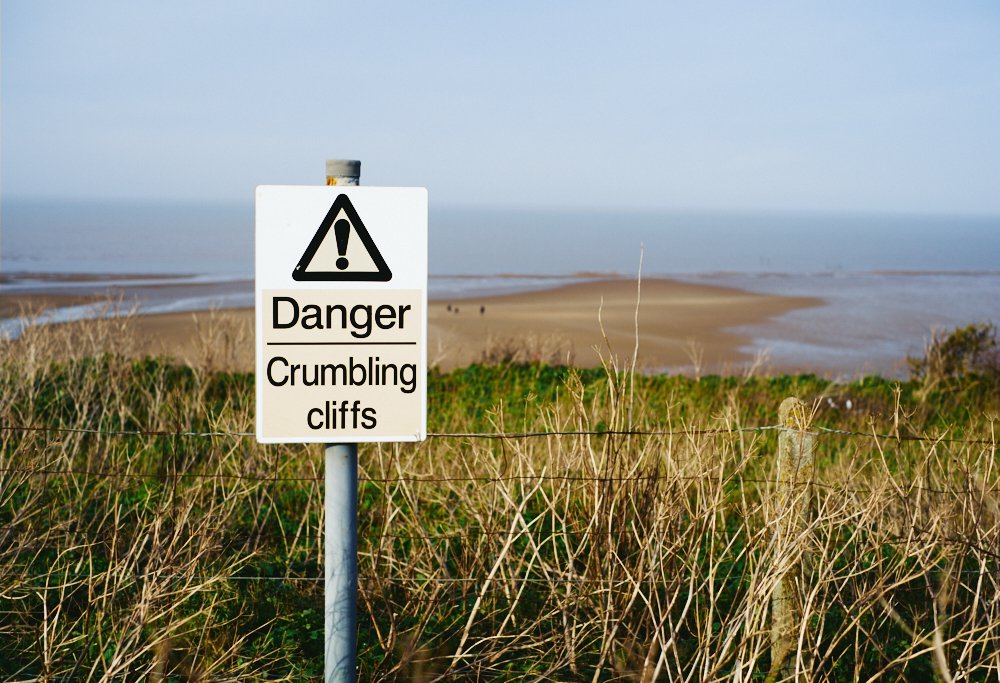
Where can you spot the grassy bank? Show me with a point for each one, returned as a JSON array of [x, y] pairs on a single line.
[[636, 538]]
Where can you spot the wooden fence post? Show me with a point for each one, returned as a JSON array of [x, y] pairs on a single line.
[[794, 475]]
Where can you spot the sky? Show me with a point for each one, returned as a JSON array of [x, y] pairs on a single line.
[[821, 106]]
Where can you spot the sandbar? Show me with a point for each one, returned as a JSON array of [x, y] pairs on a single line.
[[677, 324]]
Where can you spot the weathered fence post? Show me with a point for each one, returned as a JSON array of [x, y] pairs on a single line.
[[794, 474]]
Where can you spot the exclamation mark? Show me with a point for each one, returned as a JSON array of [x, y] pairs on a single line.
[[342, 230]]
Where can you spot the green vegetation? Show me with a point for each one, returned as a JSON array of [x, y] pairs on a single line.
[[603, 556]]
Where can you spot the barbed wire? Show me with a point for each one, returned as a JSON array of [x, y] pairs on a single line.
[[719, 431], [497, 582], [418, 479], [425, 479]]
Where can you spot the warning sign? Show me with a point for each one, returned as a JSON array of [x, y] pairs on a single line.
[[341, 298], [346, 252]]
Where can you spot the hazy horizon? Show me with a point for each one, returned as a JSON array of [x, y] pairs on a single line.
[[230, 203], [133, 236], [552, 138]]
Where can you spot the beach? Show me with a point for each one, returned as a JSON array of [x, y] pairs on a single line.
[[681, 326], [837, 325]]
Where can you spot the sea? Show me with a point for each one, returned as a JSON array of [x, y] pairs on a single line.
[[888, 280]]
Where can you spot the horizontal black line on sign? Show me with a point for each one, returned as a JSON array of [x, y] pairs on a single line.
[[413, 343]]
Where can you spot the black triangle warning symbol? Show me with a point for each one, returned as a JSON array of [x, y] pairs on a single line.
[[346, 253]]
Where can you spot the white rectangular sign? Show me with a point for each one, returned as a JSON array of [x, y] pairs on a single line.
[[341, 303]]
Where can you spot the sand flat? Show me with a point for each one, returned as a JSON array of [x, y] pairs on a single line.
[[674, 319]]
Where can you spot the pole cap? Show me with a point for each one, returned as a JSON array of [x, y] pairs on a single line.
[[343, 168]]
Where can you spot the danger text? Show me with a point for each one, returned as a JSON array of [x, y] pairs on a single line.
[[360, 319]]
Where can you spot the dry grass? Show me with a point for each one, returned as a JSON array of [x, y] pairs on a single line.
[[654, 559], [530, 348], [608, 557], [224, 341], [109, 576]]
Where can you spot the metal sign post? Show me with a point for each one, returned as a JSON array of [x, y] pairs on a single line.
[[341, 330], [340, 507], [341, 563]]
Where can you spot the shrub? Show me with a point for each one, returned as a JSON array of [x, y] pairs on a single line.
[[964, 351]]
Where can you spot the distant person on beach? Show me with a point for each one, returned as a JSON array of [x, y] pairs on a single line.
[[482, 310]]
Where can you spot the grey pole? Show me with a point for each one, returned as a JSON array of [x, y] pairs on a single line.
[[341, 510]]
